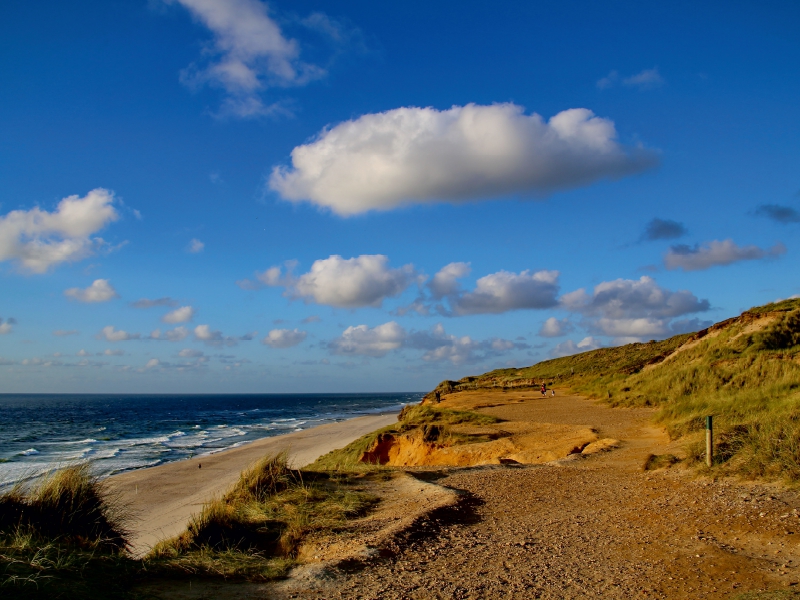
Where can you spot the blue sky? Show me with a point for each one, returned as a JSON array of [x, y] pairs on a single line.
[[239, 196]]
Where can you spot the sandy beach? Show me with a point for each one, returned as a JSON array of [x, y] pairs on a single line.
[[163, 498]]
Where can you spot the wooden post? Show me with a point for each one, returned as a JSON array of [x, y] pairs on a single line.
[[709, 440]]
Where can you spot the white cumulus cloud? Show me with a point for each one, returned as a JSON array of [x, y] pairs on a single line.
[[99, 291], [366, 280], [553, 327], [284, 338], [423, 155], [183, 314], [504, 291], [445, 282], [249, 53], [365, 341], [714, 254], [632, 308], [38, 240]]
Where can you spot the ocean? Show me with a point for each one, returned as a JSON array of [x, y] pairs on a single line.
[[120, 432]]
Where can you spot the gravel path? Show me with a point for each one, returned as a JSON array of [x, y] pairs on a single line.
[[589, 527]]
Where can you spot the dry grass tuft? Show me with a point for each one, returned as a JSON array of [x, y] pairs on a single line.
[[254, 531]]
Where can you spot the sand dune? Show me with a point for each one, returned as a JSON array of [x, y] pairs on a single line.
[[163, 498]]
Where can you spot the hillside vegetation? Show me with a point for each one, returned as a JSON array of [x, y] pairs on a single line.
[[745, 371]]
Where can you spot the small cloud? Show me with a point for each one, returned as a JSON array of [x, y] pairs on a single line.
[[195, 246], [552, 327], [5, 328], [645, 80], [110, 352], [663, 229], [608, 81], [152, 363], [183, 314], [189, 353], [146, 303], [365, 341], [38, 240], [716, 253], [65, 332], [116, 335], [365, 280], [99, 291], [173, 335], [779, 214], [569, 347], [215, 178], [83, 353], [311, 319], [284, 338]]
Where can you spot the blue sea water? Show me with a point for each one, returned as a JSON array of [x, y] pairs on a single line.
[[119, 432]]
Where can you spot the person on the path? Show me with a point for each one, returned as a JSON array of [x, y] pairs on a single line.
[[544, 389], [553, 393]]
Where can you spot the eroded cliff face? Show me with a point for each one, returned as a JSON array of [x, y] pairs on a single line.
[[507, 442]]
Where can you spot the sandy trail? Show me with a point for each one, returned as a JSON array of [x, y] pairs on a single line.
[[584, 527], [163, 498]]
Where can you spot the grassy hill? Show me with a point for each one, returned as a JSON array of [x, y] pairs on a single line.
[[745, 371]]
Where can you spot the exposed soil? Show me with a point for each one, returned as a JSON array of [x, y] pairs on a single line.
[[585, 526]]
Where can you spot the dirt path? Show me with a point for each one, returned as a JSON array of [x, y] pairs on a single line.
[[596, 526]]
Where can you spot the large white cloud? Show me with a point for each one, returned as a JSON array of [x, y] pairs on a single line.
[[38, 240], [284, 338], [365, 341], [716, 253], [184, 314], [423, 155], [99, 291], [632, 308], [365, 280], [249, 53]]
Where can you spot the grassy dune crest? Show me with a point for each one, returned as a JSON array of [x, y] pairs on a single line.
[[60, 537], [745, 371]]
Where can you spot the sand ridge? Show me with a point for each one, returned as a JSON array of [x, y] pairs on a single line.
[[162, 499]]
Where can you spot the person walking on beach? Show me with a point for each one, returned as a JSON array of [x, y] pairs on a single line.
[[544, 389], [553, 393]]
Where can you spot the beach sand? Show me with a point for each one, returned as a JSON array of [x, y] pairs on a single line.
[[163, 498]]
